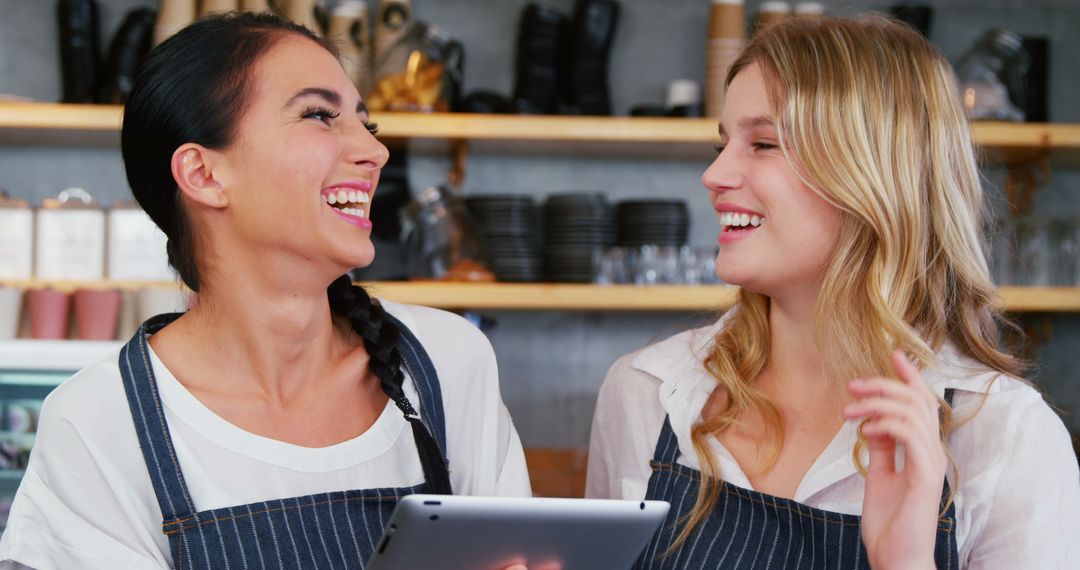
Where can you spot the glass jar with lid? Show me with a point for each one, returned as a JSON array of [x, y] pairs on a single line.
[[420, 72], [991, 76]]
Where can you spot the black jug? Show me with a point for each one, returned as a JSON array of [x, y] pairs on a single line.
[[78, 49]]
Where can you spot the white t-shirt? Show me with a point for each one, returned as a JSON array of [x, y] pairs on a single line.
[[1018, 498], [86, 500]]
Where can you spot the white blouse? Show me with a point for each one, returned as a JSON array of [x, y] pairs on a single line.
[[86, 500], [1018, 497]]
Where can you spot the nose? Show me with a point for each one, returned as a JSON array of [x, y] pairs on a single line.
[[724, 174], [365, 150]]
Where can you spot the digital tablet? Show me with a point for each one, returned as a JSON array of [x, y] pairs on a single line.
[[490, 533]]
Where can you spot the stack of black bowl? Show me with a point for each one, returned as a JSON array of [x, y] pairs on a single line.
[[577, 229], [510, 228], [652, 222]]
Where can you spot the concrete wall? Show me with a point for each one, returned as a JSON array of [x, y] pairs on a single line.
[[552, 363]]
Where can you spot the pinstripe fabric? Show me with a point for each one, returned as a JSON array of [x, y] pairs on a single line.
[[752, 530], [336, 530]]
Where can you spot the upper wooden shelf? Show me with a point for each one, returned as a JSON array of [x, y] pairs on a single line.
[[585, 297], [25, 123]]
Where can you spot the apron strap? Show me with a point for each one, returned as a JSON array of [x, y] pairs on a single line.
[[949, 393], [667, 445], [155, 442], [429, 430]]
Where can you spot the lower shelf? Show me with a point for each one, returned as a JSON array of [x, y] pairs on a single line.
[[588, 297]]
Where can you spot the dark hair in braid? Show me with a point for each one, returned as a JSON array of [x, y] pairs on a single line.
[[195, 87], [381, 339]]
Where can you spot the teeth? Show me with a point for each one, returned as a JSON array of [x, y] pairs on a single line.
[[362, 198], [352, 195], [359, 213], [330, 199], [739, 219], [342, 196]]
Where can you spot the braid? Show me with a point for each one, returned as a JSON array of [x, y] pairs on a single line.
[[379, 333], [381, 339]]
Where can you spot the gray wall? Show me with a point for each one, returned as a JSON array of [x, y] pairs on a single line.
[[553, 362]]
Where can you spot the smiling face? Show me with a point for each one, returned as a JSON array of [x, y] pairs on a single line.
[[304, 165], [776, 233]]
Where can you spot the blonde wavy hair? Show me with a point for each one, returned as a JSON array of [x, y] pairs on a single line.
[[868, 112]]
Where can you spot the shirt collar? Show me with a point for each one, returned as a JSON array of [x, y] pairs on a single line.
[[678, 363]]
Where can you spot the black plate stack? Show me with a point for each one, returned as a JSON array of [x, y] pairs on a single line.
[[652, 222], [510, 226], [577, 228]]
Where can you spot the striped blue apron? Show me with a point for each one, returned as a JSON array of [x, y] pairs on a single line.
[[752, 530], [329, 530]]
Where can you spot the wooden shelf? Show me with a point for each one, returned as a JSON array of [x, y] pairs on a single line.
[[583, 297], [31, 123], [1013, 143], [557, 296]]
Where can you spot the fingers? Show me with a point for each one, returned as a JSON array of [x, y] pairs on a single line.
[[909, 374], [881, 395], [882, 452], [904, 412]]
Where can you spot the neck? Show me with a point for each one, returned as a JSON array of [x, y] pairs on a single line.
[[266, 324], [796, 364]]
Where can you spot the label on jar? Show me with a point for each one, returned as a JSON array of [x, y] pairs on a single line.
[[70, 244], [16, 243]]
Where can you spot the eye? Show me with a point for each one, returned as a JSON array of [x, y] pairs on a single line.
[[320, 113], [765, 146], [372, 128]]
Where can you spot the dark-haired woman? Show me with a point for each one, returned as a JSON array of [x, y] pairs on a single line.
[[277, 422]]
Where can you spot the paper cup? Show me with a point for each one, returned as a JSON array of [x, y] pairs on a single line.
[[129, 315], [97, 313], [10, 310], [48, 310], [727, 19]]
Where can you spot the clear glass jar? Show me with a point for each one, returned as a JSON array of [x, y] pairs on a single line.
[[991, 76], [443, 238], [421, 72]]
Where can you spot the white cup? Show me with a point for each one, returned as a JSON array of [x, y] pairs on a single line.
[[683, 92], [159, 300], [10, 311]]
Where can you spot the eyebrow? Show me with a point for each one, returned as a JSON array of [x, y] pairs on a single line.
[[748, 123], [329, 95]]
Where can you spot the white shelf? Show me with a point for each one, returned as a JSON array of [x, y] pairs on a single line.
[[53, 355]]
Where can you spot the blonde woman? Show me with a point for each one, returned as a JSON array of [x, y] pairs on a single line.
[[854, 408]]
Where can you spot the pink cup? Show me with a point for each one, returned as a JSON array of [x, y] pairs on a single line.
[[48, 313], [97, 313]]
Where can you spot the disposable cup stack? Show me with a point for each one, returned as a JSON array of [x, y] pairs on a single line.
[[727, 36]]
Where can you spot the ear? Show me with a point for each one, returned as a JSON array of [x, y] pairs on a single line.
[[193, 169]]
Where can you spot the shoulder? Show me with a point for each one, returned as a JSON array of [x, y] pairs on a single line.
[[996, 405], [1003, 414], [1005, 431], [674, 364], [462, 356], [437, 330], [659, 379], [91, 400]]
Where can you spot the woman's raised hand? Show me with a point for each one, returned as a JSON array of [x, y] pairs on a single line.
[[900, 506]]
